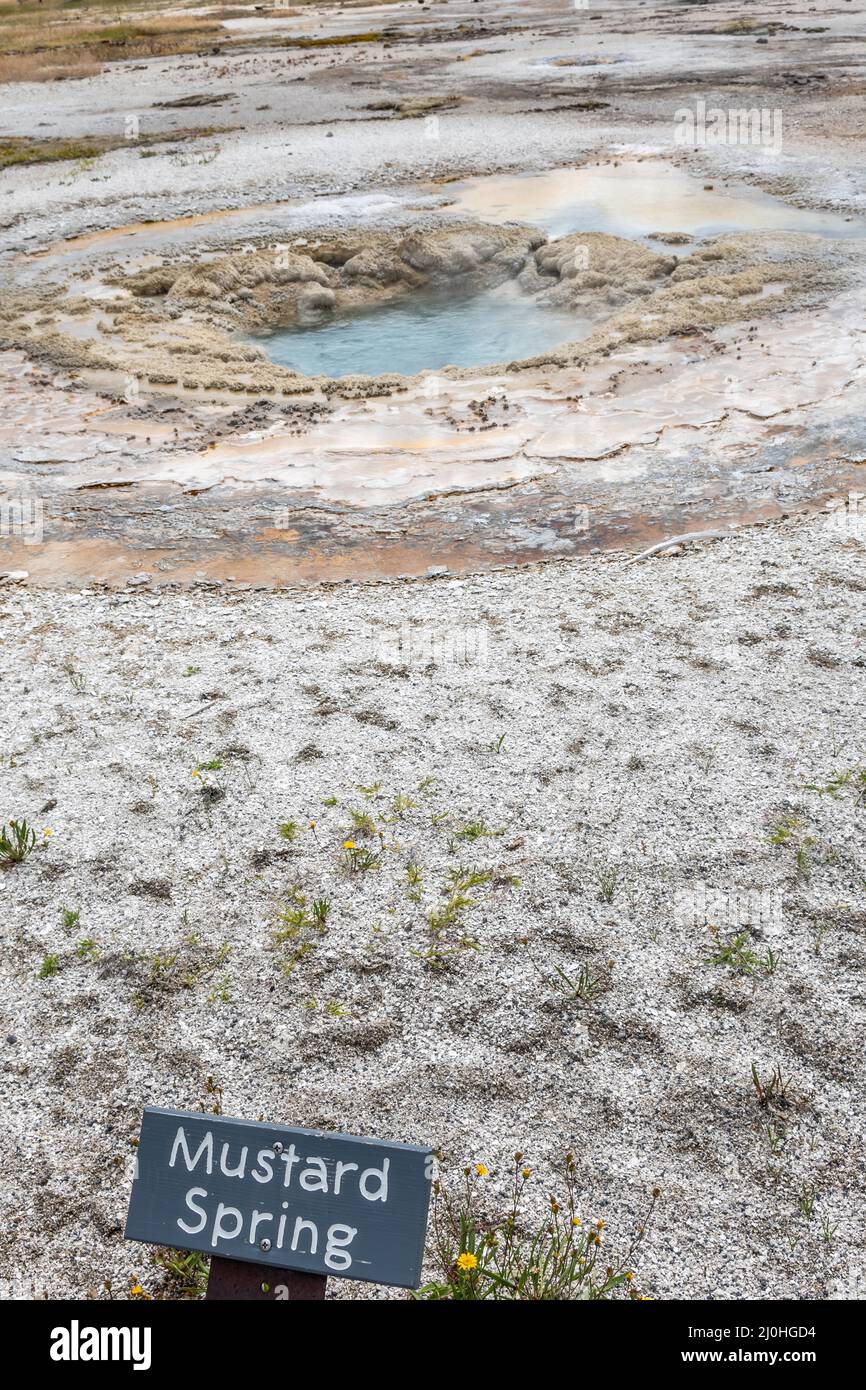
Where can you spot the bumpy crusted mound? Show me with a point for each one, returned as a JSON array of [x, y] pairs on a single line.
[[284, 284], [592, 268], [231, 275], [639, 296]]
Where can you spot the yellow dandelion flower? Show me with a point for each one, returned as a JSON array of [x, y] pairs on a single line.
[[629, 1276], [136, 1290], [348, 844], [576, 1221], [47, 833], [195, 772], [481, 1170], [525, 1172], [467, 1261]]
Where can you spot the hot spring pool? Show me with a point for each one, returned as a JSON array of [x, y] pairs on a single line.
[[427, 332], [631, 199]]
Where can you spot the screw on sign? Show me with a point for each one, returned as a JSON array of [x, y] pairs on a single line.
[[279, 1209]]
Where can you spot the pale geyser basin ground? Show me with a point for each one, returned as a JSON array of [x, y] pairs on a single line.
[[550, 105]]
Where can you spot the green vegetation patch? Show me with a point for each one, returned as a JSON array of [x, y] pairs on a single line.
[[24, 150]]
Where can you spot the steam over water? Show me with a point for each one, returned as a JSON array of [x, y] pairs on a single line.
[[428, 332]]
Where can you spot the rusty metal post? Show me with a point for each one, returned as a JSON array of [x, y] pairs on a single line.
[[236, 1280]]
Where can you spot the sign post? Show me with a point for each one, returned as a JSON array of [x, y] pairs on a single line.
[[234, 1280], [279, 1209]]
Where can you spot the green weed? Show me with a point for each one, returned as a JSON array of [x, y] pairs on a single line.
[[298, 929], [16, 847], [606, 881], [506, 1259]]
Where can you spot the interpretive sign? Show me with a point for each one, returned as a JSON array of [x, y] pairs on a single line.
[[299, 1199]]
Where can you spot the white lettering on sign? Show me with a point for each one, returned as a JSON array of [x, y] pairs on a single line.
[[296, 1233], [228, 1224], [194, 1230], [180, 1143], [313, 1177]]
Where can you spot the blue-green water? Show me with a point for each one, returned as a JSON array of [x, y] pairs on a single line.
[[427, 332]]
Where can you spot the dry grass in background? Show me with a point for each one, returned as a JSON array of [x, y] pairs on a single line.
[[56, 40]]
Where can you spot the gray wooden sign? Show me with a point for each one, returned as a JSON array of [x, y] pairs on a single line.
[[290, 1198]]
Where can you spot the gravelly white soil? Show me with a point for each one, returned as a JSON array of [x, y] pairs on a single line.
[[657, 722]]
